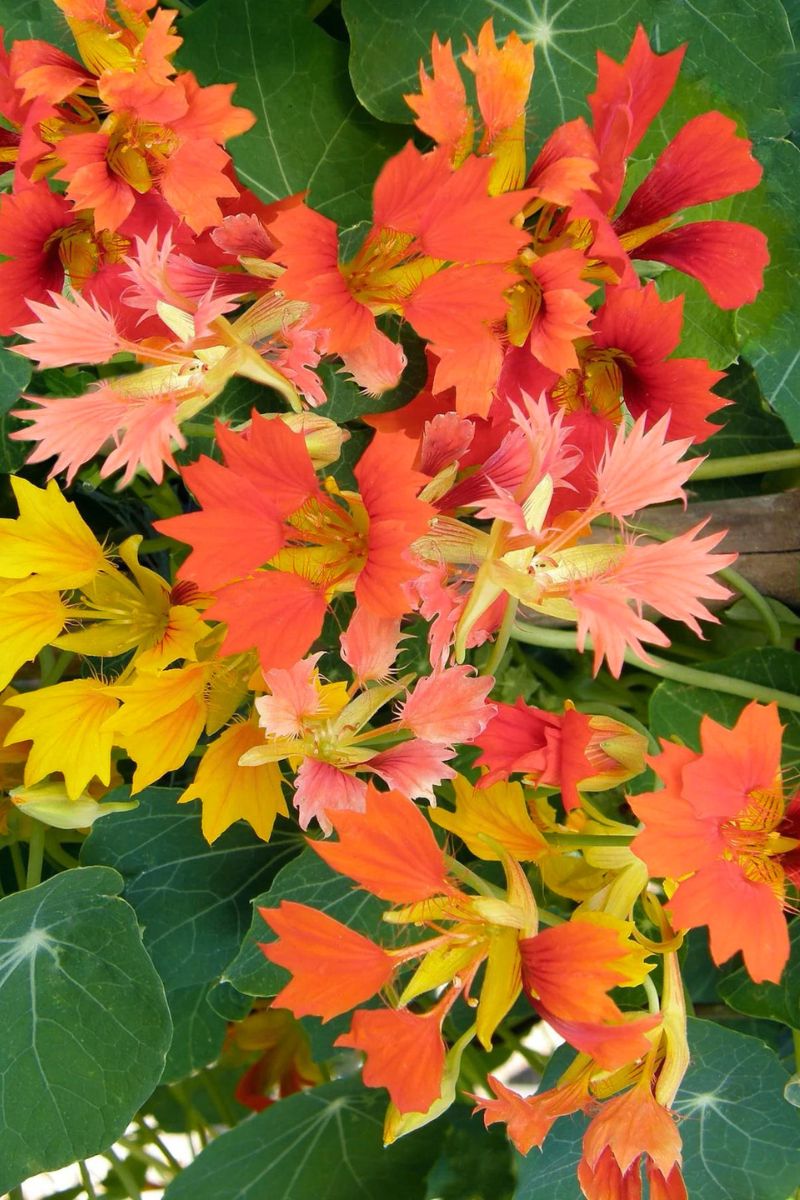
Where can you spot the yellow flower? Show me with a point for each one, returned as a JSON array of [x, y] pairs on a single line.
[[68, 726], [229, 792], [49, 545]]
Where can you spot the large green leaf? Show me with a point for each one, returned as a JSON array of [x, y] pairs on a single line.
[[740, 1138], [311, 132], [735, 49], [15, 374], [193, 901], [306, 880], [775, 1001], [676, 709], [324, 1144], [85, 1027], [767, 329]]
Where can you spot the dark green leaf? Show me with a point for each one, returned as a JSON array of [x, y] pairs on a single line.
[[192, 899], [734, 49], [197, 1035], [324, 1144], [15, 374], [310, 133], [475, 1164], [767, 328], [86, 1024], [306, 880], [775, 1001], [740, 1138], [677, 708]]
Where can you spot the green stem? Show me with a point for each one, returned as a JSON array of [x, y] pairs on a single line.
[[55, 851], [563, 639], [154, 1137], [796, 1045], [585, 841], [123, 1174], [467, 876], [503, 638], [86, 1180], [198, 429], [760, 604], [194, 1119], [16, 1194], [747, 464], [137, 1151], [35, 855]]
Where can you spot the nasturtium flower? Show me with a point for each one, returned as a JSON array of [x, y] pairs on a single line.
[[719, 826], [230, 792]]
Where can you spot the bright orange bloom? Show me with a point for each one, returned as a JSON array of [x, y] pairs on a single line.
[[717, 826], [404, 1053], [298, 546], [567, 972], [389, 849], [628, 1129], [530, 1118], [333, 968]]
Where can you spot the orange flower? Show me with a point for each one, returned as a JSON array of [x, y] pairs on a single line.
[[627, 1129], [389, 849], [405, 1053], [567, 972], [716, 825], [333, 968]]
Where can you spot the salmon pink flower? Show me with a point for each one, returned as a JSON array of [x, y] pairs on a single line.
[[717, 827], [449, 706]]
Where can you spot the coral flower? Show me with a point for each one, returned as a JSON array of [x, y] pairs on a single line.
[[716, 826]]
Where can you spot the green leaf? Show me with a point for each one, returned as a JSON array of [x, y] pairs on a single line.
[[734, 50], [310, 131], [766, 329], [86, 1025], [708, 331], [15, 375], [740, 1137], [192, 899], [475, 1164], [748, 425], [306, 880], [773, 1001], [35, 19], [324, 1144], [676, 709], [197, 1035]]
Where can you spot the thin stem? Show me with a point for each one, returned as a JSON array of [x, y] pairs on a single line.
[[56, 852], [796, 1045], [743, 586], [585, 841], [562, 639], [747, 464], [123, 1174], [653, 1001], [16, 1194], [86, 1180], [503, 638], [467, 876], [137, 1151], [33, 874], [158, 1141]]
